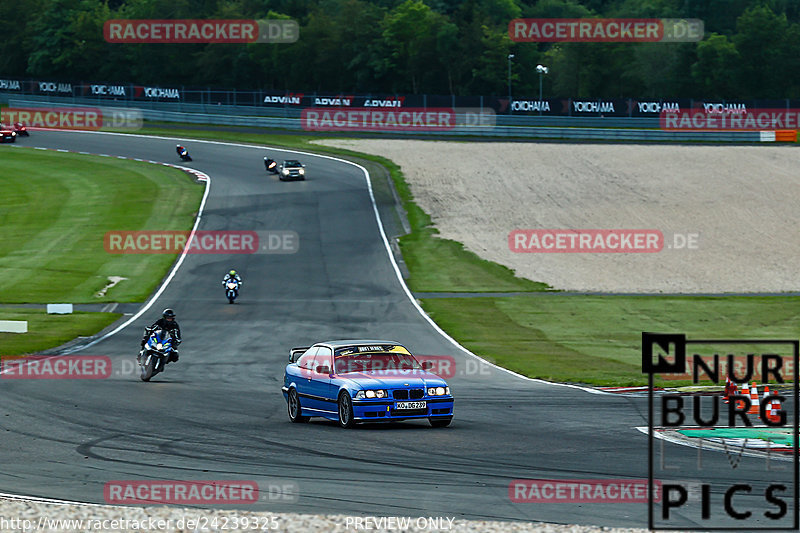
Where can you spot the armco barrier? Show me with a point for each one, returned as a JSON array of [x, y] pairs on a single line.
[[544, 128]]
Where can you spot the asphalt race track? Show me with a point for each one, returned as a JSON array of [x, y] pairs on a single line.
[[219, 412]]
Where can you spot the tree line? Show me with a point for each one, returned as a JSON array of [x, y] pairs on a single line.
[[751, 48]]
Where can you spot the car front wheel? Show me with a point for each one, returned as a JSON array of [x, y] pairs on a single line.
[[294, 407], [346, 411]]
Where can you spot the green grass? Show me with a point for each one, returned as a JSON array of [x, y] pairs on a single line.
[[55, 210], [47, 331], [597, 339]]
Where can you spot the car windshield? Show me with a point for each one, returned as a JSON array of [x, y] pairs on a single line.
[[374, 362], [291, 163]]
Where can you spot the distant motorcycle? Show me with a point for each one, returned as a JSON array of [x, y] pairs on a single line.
[[271, 165], [155, 354], [20, 128], [231, 290], [184, 154]]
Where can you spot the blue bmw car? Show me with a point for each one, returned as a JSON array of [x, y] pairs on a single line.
[[352, 381]]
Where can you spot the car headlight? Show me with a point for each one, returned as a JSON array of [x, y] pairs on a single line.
[[438, 391], [360, 395], [285, 172], [302, 171]]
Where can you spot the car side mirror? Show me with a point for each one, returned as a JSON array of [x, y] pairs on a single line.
[[427, 365], [323, 369]]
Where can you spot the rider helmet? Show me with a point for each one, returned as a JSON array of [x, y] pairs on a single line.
[[169, 314]]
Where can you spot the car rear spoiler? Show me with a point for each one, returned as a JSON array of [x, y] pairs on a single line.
[[295, 353]]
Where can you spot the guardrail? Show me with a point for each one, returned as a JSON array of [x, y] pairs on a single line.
[[568, 128]]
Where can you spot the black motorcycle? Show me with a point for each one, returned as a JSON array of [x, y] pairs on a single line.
[[271, 165]]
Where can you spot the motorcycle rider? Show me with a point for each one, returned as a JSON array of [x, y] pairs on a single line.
[[167, 323], [268, 162], [179, 149], [232, 275]]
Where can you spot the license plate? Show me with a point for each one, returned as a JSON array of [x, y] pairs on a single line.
[[410, 405]]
